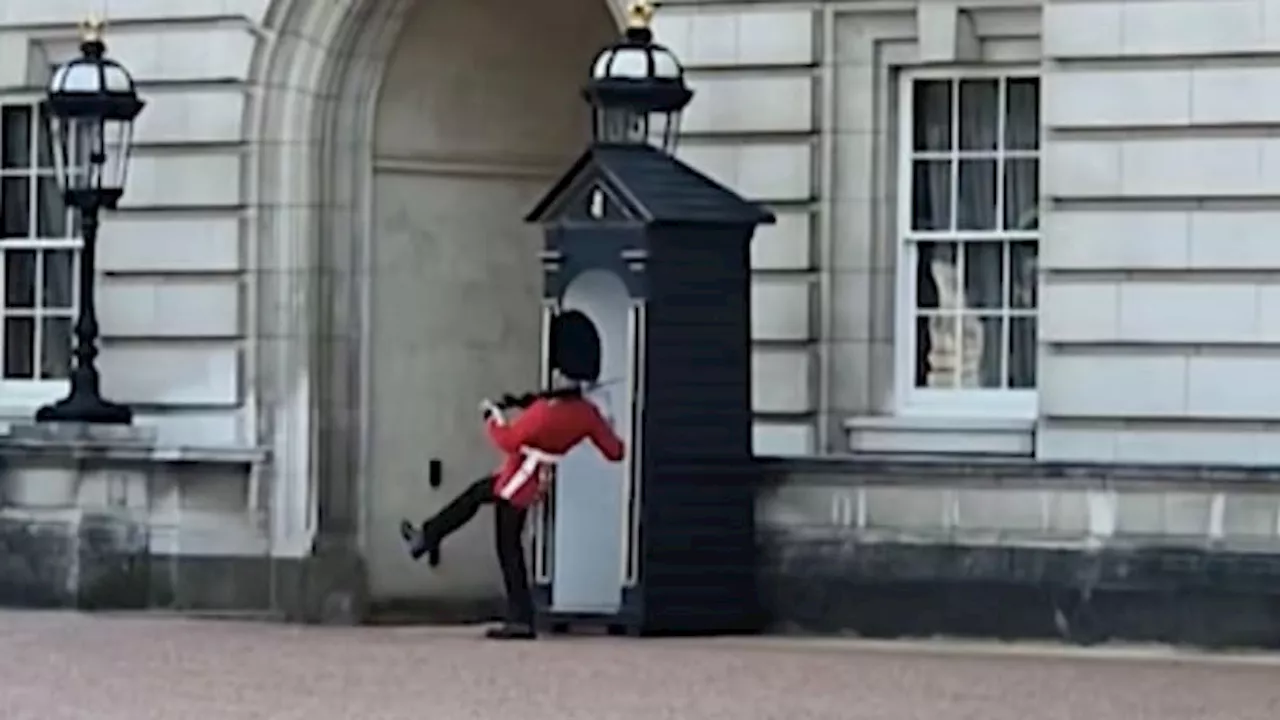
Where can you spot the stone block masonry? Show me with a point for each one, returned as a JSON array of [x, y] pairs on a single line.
[[1022, 549]]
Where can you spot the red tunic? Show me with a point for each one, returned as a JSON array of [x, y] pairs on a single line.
[[536, 441]]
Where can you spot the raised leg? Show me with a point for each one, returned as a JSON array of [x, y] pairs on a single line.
[[427, 538]]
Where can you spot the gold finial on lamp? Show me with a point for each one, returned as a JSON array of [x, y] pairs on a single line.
[[639, 14], [91, 29]]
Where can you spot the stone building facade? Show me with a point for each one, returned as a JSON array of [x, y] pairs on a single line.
[[1030, 231]]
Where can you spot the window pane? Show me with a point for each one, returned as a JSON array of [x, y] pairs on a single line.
[[15, 129], [1022, 119], [984, 274], [59, 276], [20, 278], [51, 212], [15, 207], [979, 114], [44, 144], [937, 285], [982, 341], [19, 341], [931, 114], [931, 195], [1022, 194], [937, 350], [976, 202], [1023, 270], [1022, 352], [55, 347]]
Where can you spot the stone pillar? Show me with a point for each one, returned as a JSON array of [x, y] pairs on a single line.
[[73, 531]]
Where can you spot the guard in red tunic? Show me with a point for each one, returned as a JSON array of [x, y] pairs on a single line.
[[551, 424]]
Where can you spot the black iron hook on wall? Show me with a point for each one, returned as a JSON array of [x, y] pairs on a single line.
[[435, 478]]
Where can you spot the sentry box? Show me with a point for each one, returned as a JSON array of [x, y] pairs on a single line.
[[656, 256]]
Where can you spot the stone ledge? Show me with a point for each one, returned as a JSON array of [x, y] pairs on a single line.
[[993, 471], [81, 441], [1228, 519], [68, 465]]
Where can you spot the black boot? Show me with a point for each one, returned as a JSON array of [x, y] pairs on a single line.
[[512, 631], [419, 541]]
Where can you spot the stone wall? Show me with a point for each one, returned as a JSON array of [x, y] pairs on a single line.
[[1023, 549], [874, 547], [797, 107], [734, 56], [1161, 274]]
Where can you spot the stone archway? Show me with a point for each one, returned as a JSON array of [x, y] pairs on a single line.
[[390, 133]]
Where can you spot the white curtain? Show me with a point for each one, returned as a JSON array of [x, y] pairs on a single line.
[[1022, 213]]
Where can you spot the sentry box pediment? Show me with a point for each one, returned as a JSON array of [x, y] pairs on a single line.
[[639, 184], [618, 205]]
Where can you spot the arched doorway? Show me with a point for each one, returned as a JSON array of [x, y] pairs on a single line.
[[397, 264], [477, 114]]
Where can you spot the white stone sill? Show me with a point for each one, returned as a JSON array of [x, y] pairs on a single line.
[[940, 434], [940, 423]]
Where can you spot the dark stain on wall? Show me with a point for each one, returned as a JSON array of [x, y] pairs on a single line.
[[37, 564], [113, 564], [98, 562]]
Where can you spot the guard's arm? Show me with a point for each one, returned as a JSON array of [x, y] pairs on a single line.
[[509, 438], [604, 438]]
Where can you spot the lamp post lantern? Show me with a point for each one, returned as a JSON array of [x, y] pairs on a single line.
[[90, 108], [637, 87]]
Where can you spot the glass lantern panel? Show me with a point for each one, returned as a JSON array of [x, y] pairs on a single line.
[[80, 76], [600, 68], [115, 79], [627, 62], [622, 126], [60, 137], [665, 65], [85, 146], [117, 139], [91, 152], [664, 130]]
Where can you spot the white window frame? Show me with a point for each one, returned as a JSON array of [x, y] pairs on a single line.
[[20, 397], [911, 401]]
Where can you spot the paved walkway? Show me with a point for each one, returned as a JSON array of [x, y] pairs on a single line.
[[58, 666]]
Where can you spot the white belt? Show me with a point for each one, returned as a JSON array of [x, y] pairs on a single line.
[[533, 459]]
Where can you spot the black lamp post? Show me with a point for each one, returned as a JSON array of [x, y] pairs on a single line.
[[637, 88], [90, 109]]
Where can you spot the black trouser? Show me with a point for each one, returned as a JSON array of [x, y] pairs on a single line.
[[508, 527]]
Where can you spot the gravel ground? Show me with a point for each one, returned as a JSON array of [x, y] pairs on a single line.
[[56, 666]]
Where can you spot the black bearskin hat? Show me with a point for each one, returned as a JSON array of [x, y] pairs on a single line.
[[575, 346]]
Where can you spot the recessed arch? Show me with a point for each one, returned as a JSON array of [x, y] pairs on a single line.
[[320, 69]]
